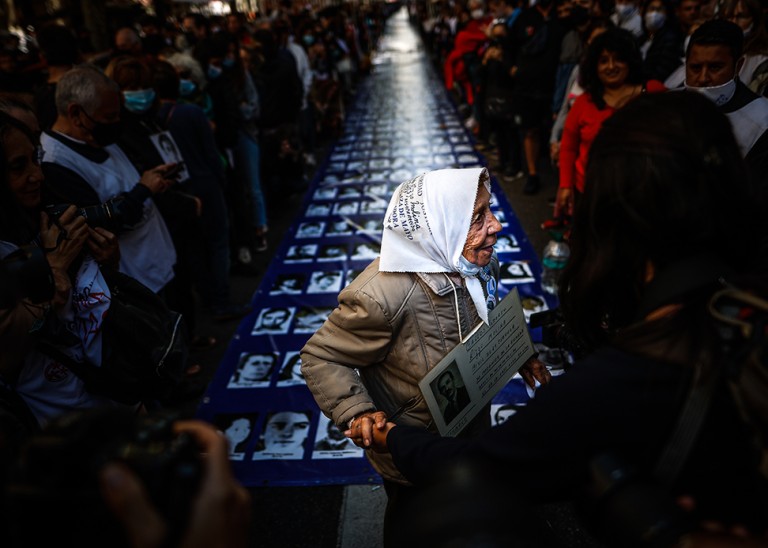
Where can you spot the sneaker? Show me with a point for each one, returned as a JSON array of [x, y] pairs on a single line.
[[532, 185], [512, 173], [230, 312], [244, 255]]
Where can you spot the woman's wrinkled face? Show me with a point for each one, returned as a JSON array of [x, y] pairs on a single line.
[[611, 70], [478, 247], [24, 175]]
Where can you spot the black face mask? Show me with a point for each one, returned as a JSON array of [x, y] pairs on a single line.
[[105, 134], [579, 16]]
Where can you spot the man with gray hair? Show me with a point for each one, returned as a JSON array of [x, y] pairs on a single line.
[[83, 166]]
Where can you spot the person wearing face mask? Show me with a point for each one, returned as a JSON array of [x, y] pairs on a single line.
[[84, 166], [748, 15], [663, 44], [192, 83], [237, 108], [626, 15], [712, 64], [434, 281]]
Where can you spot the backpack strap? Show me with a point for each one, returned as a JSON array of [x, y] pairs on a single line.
[[689, 423]]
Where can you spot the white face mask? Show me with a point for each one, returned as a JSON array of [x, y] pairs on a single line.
[[719, 95], [747, 31], [654, 20], [477, 14], [625, 10]]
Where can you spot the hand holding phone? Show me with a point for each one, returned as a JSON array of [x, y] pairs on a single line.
[[173, 171]]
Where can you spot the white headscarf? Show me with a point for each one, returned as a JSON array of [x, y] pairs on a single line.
[[427, 223]]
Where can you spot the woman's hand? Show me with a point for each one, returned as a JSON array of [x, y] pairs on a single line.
[[219, 516], [104, 246], [379, 443], [362, 429], [534, 370], [63, 239], [554, 153], [563, 203]]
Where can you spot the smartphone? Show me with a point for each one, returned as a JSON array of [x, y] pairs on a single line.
[[173, 172]]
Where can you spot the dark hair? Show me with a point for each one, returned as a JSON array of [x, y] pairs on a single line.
[[16, 224], [165, 80], [614, 40], [287, 372], [665, 182], [59, 45], [757, 41], [719, 32], [128, 71]]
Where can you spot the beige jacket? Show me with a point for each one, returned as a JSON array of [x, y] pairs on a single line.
[[392, 328]]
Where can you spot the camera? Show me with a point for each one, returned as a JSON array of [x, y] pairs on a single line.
[[25, 274], [621, 508], [55, 482], [108, 215], [555, 332]]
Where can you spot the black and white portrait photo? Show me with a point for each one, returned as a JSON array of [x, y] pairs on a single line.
[[366, 251], [290, 372], [325, 281], [238, 429], [325, 193], [309, 319], [331, 443], [274, 320], [516, 272], [506, 243], [253, 370], [450, 393], [302, 253], [345, 208], [310, 229], [288, 283], [339, 228], [318, 210], [283, 436]]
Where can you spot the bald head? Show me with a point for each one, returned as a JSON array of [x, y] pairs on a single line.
[[127, 41]]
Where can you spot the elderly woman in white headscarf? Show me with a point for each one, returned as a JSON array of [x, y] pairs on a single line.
[[433, 283]]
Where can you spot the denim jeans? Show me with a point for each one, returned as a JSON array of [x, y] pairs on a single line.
[[247, 164]]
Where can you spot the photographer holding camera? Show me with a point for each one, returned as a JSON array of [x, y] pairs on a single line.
[[220, 512], [84, 167], [72, 251], [111, 478]]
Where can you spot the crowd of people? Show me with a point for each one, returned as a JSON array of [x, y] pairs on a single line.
[[516, 70], [181, 138], [160, 160]]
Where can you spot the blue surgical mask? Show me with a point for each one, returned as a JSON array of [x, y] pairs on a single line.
[[467, 269], [228, 62], [186, 87], [139, 101], [214, 72], [308, 39], [654, 20]]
